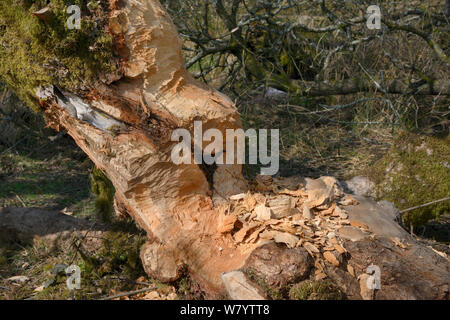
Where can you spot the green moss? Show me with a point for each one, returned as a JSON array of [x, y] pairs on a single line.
[[315, 290], [414, 172], [35, 52], [104, 191], [121, 253]]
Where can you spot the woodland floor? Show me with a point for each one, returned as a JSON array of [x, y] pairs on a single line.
[[40, 171]]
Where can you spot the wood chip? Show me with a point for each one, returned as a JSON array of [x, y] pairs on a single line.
[[286, 238], [241, 234], [340, 248], [260, 198], [310, 247], [286, 227], [348, 201], [330, 257], [359, 224], [263, 213], [249, 202], [307, 213], [334, 240], [319, 267], [442, 254], [320, 276], [268, 234], [272, 222], [237, 197], [398, 242], [351, 270], [281, 206], [227, 224], [329, 211], [254, 236], [317, 198], [341, 213]]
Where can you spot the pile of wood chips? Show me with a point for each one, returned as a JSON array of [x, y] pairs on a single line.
[[284, 211]]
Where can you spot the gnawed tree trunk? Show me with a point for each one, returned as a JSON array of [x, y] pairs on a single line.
[[125, 128], [173, 203]]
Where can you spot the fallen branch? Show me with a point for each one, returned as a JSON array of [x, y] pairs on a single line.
[[424, 205], [356, 85]]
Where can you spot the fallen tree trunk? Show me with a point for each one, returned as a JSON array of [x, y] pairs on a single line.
[[125, 127]]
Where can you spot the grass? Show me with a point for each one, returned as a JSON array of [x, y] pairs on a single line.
[[115, 267], [415, 171]]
